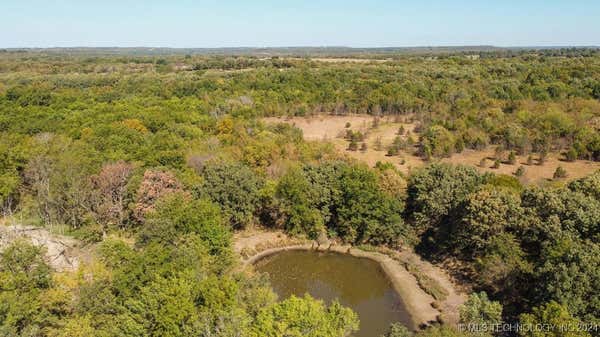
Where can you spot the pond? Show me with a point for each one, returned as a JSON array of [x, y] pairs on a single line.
[[358, 283]]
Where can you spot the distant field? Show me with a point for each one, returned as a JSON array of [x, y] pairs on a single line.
[[324, 127], [344, 59], [333, 128]]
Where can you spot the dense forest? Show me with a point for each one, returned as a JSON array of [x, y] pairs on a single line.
[[157, 159]]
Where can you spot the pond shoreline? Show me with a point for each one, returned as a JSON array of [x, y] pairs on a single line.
[[418, 303]]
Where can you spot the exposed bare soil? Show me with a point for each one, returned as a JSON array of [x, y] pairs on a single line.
[[62, 253]]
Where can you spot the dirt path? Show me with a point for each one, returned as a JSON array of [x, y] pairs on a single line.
[[255, 245]]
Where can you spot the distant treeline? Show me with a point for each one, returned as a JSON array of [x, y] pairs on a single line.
[[526, 103], [383, 52]]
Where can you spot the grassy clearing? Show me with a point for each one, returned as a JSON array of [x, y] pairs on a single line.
[[379, 138]]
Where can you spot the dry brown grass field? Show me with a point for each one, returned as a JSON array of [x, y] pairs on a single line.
[[341, 59], [333, 128]]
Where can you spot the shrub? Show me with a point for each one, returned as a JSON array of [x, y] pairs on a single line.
[[559, 173], [530, 160], [393, 150], [512, 158], [398, 330], [520, 171], [571, 155], [543, 157], [353, 145]]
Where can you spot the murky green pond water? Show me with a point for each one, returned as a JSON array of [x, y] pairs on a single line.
[[357, 283]]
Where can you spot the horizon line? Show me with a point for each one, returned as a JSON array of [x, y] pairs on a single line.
[[319, 47]]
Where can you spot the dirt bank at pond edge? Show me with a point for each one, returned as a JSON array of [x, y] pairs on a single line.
[[254, 246]]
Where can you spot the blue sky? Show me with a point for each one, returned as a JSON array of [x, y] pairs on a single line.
[[376, 23]]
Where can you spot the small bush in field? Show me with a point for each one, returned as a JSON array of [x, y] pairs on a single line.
[[560, 173]]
